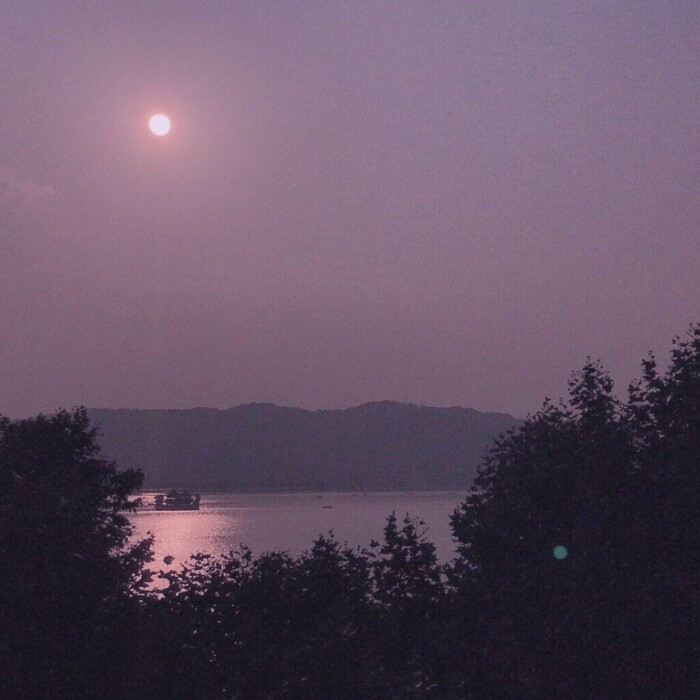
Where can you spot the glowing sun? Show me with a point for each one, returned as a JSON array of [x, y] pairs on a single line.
[[159, 124]]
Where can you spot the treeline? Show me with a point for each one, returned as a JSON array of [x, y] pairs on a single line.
[[576, 575]]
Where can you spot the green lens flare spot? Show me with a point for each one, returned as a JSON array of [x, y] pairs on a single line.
[[560, 552]]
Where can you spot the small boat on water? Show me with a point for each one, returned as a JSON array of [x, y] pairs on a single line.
[[177, 500]]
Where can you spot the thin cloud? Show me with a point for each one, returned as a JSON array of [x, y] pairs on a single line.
[[17, 194]]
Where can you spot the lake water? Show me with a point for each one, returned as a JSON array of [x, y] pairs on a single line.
[[291, 521]]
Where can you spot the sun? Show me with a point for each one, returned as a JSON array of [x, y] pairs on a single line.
[[159, 124]]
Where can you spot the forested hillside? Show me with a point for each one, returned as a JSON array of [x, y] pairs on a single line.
[[375, 446]]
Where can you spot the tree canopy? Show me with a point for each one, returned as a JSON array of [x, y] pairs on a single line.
[[582, 528], [67, 556]]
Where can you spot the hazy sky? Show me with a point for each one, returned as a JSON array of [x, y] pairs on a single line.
[[448, 203]]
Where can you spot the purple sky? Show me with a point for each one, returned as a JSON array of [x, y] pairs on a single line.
[[448, 203]]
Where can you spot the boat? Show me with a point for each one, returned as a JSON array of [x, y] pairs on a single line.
[[177, 500]]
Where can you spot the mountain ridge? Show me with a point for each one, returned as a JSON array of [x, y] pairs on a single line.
[[378, 445]]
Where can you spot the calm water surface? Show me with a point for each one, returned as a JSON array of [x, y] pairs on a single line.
[[290, 522]]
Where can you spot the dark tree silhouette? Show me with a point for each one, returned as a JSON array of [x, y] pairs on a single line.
[[582, 530], [68, 565]]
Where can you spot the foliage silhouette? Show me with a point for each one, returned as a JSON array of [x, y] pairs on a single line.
[[617, 484], [69, 566]]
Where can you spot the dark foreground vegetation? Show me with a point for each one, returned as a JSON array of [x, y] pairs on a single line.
[[577, 573]]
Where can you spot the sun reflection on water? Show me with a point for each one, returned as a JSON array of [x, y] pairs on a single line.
[[289, 522]]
